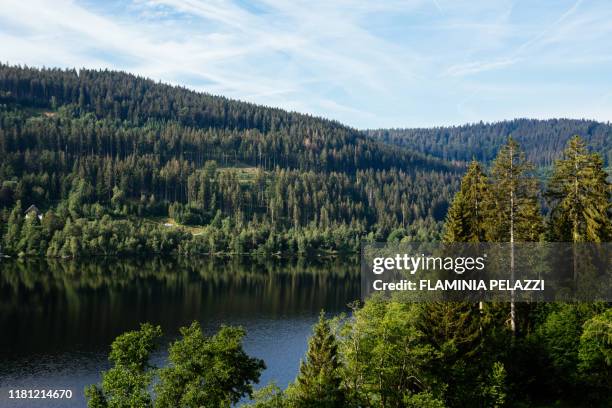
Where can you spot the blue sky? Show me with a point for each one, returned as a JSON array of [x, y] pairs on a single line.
[[396, 63]]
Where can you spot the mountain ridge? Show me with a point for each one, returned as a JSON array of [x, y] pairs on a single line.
[[542, 140]]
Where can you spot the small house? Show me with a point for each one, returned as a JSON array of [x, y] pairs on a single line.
[[33, 211]]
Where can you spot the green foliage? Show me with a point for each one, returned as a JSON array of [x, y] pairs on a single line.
[[13, 230], [129, 147], [465, 221], [207, 371], [542, 140], [455, 331], [202, 372], [595, 351], [495, 394], [580, 197], [422, 400], [270, 396], [514, 210], [126, 384], [558, 334], [319, 383], [385, 356]]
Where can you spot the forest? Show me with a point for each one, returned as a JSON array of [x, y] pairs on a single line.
[[101, 163], [115, 163], [542, 140], [119, 164], [391, 353]]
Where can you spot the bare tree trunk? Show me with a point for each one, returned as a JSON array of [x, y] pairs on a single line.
[[575, 237], [512, 294]]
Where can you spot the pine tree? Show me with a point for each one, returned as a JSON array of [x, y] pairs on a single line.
[[465, 221], [457, 223], [579, 196], [514, 214], [319, 383], [13, 232]]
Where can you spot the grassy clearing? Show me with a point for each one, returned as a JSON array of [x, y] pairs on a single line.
[[171, 223], [246, 174]]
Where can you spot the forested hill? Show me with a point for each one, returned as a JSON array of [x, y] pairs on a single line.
[[247, 132], [542, 140], [108, 154]]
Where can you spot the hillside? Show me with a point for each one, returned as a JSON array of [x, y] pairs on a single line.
[[107, 147], [542, 140]]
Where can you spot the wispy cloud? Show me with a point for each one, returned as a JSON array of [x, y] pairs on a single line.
[[478, 66], [392, 63]]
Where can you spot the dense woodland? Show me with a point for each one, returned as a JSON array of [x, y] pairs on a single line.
[[107, 156], [391, 353], [542, 140], [119, 164]]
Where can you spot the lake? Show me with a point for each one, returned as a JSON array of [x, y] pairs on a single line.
[[58, 318]]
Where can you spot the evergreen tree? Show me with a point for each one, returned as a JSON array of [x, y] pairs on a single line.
[[579, 196], [31, 237], [495, 393], [454, 330], [465, 221], [13, 232], [457, 226], [514, 213], [319, 383]]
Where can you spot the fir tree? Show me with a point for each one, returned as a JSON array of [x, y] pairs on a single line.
[[13, 232], [454, 330], [319, 383], [457, 224], [579, 195], [465, 221], [514, 213]]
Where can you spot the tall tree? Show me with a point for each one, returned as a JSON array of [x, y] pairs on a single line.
[[465, 221], [579, 196], [13, 229], [514, 211], [319, 383]]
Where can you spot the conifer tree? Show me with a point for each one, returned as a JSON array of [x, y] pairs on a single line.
[[465, 221], [13, 232], [459, 330], [319, 383], [457, 223], [579, 195], [514, 214]]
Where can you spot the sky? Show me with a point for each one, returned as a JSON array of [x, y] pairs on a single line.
[[368, 64]]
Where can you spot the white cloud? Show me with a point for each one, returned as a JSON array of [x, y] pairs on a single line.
[[478, 66], [362, 62]]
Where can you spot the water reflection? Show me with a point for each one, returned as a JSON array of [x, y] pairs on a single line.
[[57, 318]]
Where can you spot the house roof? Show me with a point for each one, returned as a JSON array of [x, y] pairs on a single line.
[[32, 208]]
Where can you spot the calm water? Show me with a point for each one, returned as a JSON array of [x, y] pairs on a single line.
[[58, 318]]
